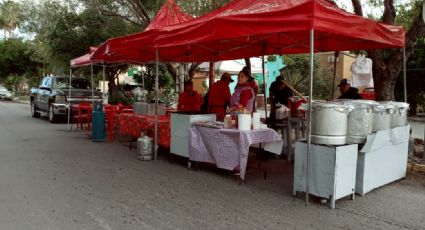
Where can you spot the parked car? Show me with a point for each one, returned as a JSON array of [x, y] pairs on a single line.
[[368, 94], [52, 96], [5, 94]]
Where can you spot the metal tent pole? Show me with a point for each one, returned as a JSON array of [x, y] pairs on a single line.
[[310, 99], [92, 84], [404, 75], [69, 97], [264, 83], [156, 104], [103, 82]]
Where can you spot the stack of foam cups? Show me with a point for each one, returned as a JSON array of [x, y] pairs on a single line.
[[244, 121], [256, 124]]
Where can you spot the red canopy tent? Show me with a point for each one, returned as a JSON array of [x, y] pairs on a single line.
[[245, 28], [169, 14], [83, 60]]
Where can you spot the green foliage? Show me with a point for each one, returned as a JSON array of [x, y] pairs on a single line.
[[414, 78], [10, 15], [16, 58], [164, 78], [63, 33], [406, 13], [297, 73]]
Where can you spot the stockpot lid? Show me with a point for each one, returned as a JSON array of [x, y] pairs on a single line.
[[338, 106], [362, 104], [383, 106], [400, 105]]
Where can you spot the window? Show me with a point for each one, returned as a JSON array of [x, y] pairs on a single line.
[[331, 58]]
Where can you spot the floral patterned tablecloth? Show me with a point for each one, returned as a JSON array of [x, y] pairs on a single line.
[[227, 148], [132, 125]]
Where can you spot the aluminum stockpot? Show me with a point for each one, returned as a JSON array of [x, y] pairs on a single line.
[[329, 119], [360, 120], [399, 115], [382, 113]]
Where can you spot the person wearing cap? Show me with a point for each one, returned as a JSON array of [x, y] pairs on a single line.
[[279, 94], [189, 99], [219, 96], [348, 92], [243, 98]]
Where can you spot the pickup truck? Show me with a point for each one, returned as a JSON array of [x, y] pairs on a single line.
[[52, 96]]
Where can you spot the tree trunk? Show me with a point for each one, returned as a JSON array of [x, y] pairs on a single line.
[[384, 89], [192, 69], [111, 74], [248, 64], [172, 71]]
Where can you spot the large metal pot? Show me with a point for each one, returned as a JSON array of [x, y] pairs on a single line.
[[281, 112], [360, 120], [399, 116], [329, 119], [382, 113]]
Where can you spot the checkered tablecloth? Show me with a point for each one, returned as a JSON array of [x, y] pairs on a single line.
[[227, 148]]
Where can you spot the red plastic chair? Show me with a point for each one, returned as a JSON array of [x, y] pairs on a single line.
[[79, 117]]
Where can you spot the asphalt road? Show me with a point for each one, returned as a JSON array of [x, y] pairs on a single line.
[[51, 178]]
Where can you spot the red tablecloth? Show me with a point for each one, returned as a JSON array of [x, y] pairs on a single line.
[[132, 125]]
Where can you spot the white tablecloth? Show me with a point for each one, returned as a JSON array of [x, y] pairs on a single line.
[[227, 148]]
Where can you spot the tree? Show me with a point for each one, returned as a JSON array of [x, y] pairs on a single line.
[[388, 63], [16, 60], [10, 17]]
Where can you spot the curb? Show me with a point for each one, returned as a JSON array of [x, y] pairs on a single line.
[[416, 119], [22, 102], [416, 167]]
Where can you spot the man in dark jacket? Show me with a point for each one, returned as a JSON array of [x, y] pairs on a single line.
[[348, 92]]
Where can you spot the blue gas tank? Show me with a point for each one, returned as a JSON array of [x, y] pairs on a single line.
[[98, 124]]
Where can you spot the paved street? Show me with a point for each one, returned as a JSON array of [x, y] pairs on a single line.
[[51, 178]]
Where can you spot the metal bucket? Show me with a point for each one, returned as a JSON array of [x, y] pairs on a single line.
[[382, 113], [399, 116]]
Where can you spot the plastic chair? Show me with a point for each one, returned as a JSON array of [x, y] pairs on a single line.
[[78, 117]]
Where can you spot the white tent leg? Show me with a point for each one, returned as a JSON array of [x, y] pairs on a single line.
[[69, 97], [103, 83], [92, 84], [156, 105], [404, 75], [264, 84], [310, 99]]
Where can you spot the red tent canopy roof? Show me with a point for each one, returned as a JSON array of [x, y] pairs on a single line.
[[169, 14], [246, 28], [83, 60]]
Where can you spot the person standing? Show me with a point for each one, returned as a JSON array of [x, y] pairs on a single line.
[[243, 97], [279, 94], [219, 96], [253, 83], [348, 92], [189, 99]]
